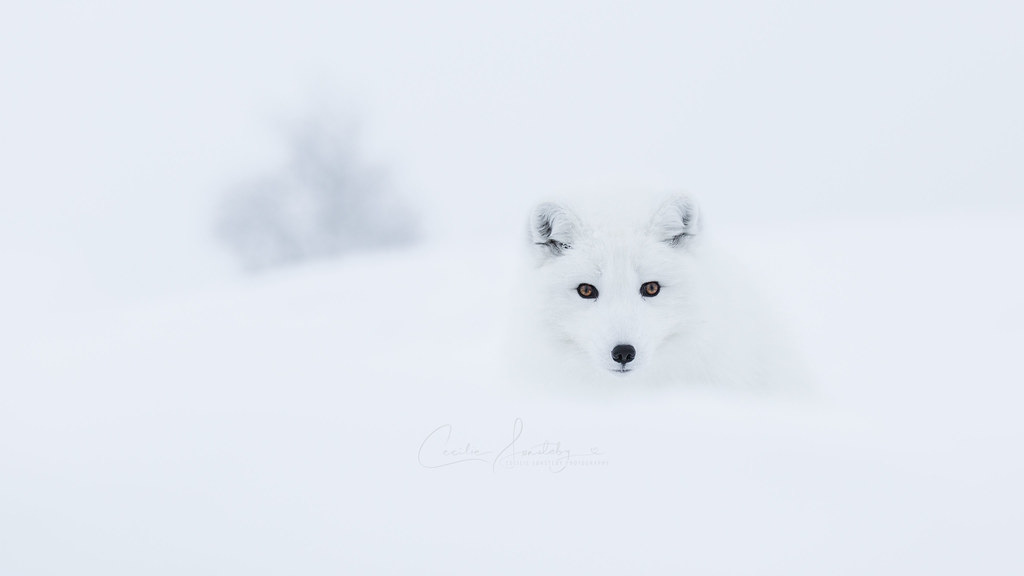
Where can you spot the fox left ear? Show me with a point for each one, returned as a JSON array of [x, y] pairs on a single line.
[[676, 221], [553, 227]]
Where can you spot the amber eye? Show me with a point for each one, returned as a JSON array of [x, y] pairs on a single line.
[[650, 289], [586, 291]]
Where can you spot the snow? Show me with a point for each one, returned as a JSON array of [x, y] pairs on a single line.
[[282, 424], [160, 413]]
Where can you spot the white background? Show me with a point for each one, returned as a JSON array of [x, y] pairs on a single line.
[[162, 413]]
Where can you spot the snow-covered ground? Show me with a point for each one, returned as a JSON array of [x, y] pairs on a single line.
[[296, 424]]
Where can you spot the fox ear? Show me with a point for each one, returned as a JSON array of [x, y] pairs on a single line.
[[677, 221], [553, 228]]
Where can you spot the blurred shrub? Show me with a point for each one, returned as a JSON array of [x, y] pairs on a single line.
[[323, 204]]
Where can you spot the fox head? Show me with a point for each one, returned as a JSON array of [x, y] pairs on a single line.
[[616, 288]]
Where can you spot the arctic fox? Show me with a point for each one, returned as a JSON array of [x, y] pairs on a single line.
[[627, 291]]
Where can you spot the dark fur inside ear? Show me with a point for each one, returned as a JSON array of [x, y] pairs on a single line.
[[677, 221], [553, 227]]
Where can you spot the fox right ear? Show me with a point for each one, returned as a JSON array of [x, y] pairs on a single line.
[[553, 228], [677, 221]]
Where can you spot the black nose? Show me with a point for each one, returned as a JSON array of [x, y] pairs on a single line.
[[623, 354]]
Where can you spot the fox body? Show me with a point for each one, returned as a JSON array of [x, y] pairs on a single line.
[[629, 292]]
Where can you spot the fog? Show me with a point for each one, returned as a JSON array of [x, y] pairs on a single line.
[[169, 410]]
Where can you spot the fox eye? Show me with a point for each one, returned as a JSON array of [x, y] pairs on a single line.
[[650, 289], [586, 291]]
